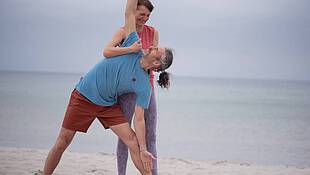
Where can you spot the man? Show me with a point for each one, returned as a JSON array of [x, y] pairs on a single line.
[[95, 96]]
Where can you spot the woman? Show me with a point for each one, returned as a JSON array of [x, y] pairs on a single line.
[[95, 97], [149, 37]]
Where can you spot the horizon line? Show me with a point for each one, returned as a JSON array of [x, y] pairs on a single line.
[[173, 75]]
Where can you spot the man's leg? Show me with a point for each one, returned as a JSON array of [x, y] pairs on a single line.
[[124, 132], [127, 103], [63, 141]]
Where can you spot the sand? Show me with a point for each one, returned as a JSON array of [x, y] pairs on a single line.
[[30, 161]]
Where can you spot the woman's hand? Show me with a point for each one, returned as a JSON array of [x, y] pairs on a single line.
[[136, 46], [147, 160]]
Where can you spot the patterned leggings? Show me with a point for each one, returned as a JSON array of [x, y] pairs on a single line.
[[127, 103]]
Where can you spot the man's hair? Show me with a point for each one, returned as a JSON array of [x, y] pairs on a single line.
[[147, 4]]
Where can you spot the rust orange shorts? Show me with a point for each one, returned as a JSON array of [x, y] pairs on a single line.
[[81, 113]]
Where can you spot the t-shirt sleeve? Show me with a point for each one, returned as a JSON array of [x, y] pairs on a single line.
[[143, 99], [131, 38]]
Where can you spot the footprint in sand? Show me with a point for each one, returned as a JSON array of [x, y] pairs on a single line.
[[38, 172]]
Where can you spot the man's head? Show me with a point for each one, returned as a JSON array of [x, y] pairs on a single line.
[[144, 9], [159, 59]]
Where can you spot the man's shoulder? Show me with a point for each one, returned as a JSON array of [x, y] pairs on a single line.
[[130, 39]]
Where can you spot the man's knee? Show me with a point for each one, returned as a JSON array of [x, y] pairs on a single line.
[[62, 143]]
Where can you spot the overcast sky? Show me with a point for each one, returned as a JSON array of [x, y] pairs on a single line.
[[264, 39]]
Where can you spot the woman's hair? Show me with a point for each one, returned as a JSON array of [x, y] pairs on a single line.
[[164, 77], [147, 4]]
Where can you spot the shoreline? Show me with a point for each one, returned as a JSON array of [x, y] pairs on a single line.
[[31, 161]]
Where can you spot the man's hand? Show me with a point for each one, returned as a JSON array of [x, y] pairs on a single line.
[[147, 160]]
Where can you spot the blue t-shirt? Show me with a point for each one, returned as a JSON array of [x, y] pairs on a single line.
[[115, 76]]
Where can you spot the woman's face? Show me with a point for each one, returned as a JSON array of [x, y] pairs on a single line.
[[142, 15]]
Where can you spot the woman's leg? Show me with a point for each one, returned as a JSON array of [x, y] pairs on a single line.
[[127, 103], [150, 116]]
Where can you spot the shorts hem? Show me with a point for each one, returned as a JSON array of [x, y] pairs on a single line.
[[74, 129], [114, 124]]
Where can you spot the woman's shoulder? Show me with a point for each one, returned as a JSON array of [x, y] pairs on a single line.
[[149, 27], [121, 31]]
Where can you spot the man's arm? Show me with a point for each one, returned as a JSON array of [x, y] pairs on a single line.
[[111, 50], [130, 19], [139, 125]]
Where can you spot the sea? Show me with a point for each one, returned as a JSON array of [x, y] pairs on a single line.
[[263, 122]]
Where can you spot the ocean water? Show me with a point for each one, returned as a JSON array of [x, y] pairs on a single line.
[[254, 121]]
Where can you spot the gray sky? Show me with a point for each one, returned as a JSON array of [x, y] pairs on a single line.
[[266, 39]]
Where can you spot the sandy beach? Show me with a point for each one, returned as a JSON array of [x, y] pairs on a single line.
[[30, 161]]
